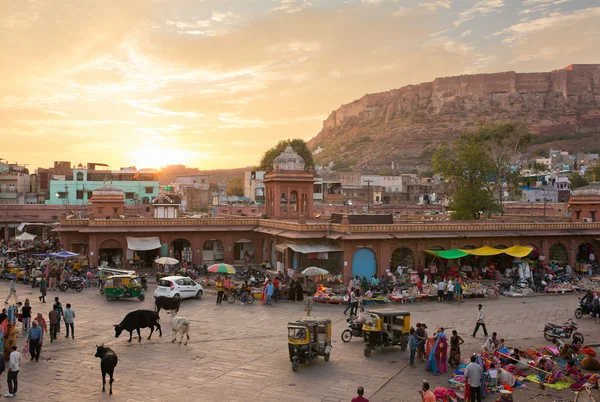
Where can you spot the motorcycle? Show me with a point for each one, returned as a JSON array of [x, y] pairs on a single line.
[[552, 332], [76, 284], [354, 330], [144, 283], [582, 309]]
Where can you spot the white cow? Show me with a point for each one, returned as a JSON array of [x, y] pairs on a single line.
[[179, 324]]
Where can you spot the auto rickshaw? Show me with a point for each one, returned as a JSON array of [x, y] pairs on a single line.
[[123, 287], [382, 329], [309, 338], [104, 273]]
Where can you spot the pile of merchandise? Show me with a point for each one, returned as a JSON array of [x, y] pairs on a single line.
[[326, 295], [517, 292], [561, 287]]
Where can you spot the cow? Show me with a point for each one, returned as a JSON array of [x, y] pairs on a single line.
[[181, 325], [166, 303], [108, 362], [136, 320]]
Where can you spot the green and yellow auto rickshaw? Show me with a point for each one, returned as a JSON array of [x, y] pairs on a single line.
[[123, 287], [309, 338], [386, 328]]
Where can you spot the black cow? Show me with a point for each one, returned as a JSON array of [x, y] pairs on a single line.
[[136, 320], [166, 303], [108, 362]]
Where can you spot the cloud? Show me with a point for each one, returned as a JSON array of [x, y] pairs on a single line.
[[437, 4], [466, 33], [482, 7]]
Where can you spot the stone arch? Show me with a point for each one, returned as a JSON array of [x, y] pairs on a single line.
[[468, 247], [535, 253], [283, 201], [181, 249], [294, 200], [402, 256], [583, 251], [79, 176], [213, 250], [559, 253], [243, 250], [364, 263], [110, 253], [500, 247]]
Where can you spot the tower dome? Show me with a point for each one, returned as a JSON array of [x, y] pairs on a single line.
[[289, 160]]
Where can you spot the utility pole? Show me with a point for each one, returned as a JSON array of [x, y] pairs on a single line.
[[368, 181]]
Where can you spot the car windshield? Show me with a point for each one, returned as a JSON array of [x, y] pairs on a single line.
[[297, 333], [162, 282]]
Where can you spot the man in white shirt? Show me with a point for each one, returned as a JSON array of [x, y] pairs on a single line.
[[450, 291], [480, 321], [473, 373], [441, 291], [13, 371]]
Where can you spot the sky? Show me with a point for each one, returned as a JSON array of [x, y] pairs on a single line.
[[214, 83]]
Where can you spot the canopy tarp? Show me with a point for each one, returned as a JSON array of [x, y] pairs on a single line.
[[448, 254], [25, 237], [514, 251], [518, 251], [64, 254], [143, 243]]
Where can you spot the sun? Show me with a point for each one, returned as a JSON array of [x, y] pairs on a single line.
[[156, 156]]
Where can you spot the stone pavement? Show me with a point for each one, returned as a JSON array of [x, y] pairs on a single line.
[[239, 353]]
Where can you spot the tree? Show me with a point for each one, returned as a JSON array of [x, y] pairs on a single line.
[[592, 173], [576, 180], [235, 186], [297, 145], [477, 167]]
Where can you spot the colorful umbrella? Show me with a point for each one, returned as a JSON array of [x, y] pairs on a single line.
[[166, 261], [222, 269], [314, 271]]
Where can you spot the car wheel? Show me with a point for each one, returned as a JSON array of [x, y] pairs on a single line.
[[198, 294]]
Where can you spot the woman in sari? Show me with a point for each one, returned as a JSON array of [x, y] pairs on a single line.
[[10, 340], [437, 361], [292, 291], [455, 342]]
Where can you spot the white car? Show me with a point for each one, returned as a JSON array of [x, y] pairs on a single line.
[[178, 287]]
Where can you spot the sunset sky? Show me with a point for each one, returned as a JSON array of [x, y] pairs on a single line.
[[214, 83]]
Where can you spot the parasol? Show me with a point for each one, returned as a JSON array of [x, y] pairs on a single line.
[[166, 261], [314, 271], [222, 269]]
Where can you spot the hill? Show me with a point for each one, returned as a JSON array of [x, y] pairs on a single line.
[[405, 126]]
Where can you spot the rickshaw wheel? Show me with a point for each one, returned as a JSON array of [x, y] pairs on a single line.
[[295, 365], [326, 356], [367, 351], [141, 297]]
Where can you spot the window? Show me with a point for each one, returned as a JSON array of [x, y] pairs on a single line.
[[115, 210], [147, 209], [145, 200], [593, 216], [149, 190], [129, 196], [61, 195], [79, 194], [577, 215], [79, 176]]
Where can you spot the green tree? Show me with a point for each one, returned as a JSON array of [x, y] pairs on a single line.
[[235, 186], [297, 145], [576, 180], [477, 167]]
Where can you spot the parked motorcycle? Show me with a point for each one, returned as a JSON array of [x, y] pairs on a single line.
[[583, 308], [552, 332], [354, 330], [76, 284]]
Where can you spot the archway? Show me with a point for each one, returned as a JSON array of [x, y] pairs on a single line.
[[535, 254], [468, 247], [181, 249], [110, 254], [583, 252], [402, 256], [294, 201], [364, 263], [213, 250], [559, 253], [243, 250], [500, 247]]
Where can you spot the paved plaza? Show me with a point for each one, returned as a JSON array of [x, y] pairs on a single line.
[[239, 353]]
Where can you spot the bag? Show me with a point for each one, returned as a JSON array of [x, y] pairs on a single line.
[[26, 350], [20, 317]]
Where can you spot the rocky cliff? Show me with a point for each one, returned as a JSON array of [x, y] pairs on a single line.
[[406, 125]]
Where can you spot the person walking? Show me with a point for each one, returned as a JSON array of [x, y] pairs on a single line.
[[35, 339], [359, 395], [413, 342], [43, 289], [26, 316], [350, 296], [60, 313], [13, 372], [41, 322], [53, 275], [354, 308], [53, 318], [473, 374], [69, 316], [219, 286], [269, 291], [426, 394], [12, 291], [480, 321], [276, 285], [441, 290]]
